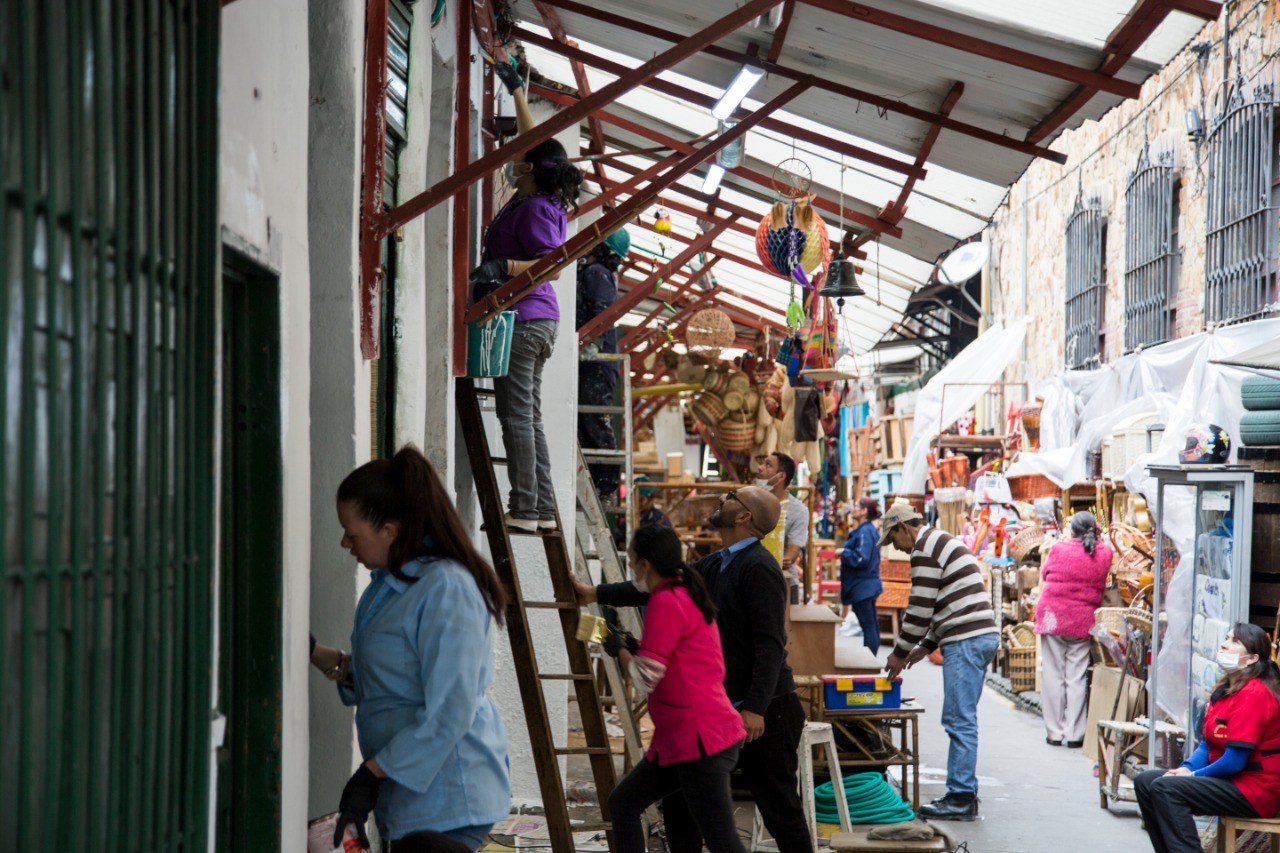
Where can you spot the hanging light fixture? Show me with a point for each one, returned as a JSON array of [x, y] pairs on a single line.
[[748, 76], [842, 280]]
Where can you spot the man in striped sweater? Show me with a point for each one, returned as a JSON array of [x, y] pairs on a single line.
[[949, 608]]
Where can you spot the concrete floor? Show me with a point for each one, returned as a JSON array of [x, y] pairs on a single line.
[[1034, 797]]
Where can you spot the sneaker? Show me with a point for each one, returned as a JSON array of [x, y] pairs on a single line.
[[1075, 744], [952, 807], [547, 525], [1051, 741], [521, 525]]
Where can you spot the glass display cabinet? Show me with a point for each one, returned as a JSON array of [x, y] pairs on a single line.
[[1222, 514]]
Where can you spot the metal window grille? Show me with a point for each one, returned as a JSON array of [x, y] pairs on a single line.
[[1086, 284], [1240, 245], [108, 230], [1150, 252]]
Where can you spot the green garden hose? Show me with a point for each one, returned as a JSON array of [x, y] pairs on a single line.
[[870, 798]]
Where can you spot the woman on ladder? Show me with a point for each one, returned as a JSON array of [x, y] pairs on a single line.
[[529, 227], [679, 664]]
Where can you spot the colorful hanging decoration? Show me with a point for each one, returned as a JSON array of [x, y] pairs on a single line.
[[662, 222], [792, 242]]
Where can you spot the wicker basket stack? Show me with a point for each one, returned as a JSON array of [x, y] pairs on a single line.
[[1020, 656]]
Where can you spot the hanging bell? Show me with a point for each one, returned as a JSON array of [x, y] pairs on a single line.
[[841, 282]]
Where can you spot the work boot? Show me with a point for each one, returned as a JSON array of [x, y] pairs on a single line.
[[952, 807]]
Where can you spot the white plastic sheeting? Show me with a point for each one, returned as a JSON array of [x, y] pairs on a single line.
[[1185, 382], [979, 365]]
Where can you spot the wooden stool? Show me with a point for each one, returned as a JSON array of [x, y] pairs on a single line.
[[857, 840], [814, 734], [1229, 827], [894, 615]]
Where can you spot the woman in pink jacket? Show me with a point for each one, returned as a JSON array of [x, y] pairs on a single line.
[[696, 731], [1074, 576]]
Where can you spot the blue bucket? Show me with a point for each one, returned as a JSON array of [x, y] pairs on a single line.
[[489, 345]]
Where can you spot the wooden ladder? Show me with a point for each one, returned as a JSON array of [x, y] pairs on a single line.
[[531, 678]]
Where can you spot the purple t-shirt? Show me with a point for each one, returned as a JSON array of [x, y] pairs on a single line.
[[525, 230]]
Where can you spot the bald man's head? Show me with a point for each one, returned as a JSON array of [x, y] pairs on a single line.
[[764, 509]]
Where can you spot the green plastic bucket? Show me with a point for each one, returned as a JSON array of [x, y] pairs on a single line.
[[489, 345]]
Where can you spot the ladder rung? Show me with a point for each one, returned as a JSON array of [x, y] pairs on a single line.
[[604, 454], [601, 410], [550, 605], [484, 392], [591, 555], [498, 460], [592, 827], [583, 750], [566, 676]]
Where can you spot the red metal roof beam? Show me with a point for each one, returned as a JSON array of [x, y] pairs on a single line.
[[552, 20], [978, 47], [851, 92], [632, 336], [1122, 44], [820, 202], [551, 265], [682, 50], [577, 54], [780, 34], [609, 193], [593, 328]]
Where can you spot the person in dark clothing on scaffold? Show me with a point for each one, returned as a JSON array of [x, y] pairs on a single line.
[[598, 380], [750, 596]]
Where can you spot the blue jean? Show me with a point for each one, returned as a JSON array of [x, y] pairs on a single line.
[[471, 837], [865, 611], [519, 402], [964, 666]]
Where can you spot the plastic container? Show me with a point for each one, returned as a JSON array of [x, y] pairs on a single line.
[[846, 693], [489, 345]]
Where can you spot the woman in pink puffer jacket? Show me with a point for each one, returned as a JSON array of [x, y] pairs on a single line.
[[1074, 577]]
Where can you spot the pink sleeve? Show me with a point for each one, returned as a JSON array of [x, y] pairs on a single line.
[[663, 626]]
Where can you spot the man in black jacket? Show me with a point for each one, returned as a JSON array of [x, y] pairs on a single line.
[[750, 595]]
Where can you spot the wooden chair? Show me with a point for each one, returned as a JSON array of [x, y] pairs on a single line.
[[1230, 827]]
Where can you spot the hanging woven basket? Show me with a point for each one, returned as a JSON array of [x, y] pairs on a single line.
[[709, 332]]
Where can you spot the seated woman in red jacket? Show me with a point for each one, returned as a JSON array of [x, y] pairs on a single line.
[[1235, 771], [1075, 577], [696, 731]]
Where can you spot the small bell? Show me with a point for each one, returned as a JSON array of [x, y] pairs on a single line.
[[842, 282]]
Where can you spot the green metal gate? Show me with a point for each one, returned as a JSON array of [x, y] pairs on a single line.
[[108, 234]]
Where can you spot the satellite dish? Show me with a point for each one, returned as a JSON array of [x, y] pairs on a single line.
[[963, 263]]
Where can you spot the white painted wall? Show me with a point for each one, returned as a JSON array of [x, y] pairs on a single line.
[[263, 201]]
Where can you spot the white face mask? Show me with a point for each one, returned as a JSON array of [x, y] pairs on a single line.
[[761, 483], [640, 585], [1229, 661]]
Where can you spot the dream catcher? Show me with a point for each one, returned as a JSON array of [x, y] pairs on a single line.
[[792, 238]]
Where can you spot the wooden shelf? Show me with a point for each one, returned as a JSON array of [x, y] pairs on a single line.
[[973, 443]]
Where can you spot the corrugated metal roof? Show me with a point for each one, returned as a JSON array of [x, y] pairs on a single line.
[[967, 177]]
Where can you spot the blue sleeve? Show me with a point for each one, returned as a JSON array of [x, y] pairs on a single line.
[[1230, 764], [452, 645], [856, 556], [1199, 758]]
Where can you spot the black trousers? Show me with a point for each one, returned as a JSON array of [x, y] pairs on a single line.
[[769, 766], [704, 782], [1169, 802]]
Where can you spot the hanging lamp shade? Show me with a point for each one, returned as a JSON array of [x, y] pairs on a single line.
[[710, 331]]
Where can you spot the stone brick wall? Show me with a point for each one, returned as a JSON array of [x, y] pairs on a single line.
[[1102, 154]]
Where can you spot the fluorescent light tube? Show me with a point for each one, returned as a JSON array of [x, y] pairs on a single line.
[[748, 77], [715, 172]]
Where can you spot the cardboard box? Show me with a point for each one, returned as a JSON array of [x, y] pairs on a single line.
[[811, 639], [675, 464], [1102, 698]]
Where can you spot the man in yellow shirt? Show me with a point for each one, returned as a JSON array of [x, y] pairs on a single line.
[[788, 539]]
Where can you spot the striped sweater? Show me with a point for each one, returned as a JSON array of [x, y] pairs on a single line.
[[948, 601]]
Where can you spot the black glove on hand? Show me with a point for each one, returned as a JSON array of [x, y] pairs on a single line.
[[358, 799], [509, 76], [490, 271], [619, 639]]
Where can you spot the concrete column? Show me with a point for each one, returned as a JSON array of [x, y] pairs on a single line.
[[340, 430]]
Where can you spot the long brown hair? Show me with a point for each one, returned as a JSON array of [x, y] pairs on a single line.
[[406, 489], [1255, 642]]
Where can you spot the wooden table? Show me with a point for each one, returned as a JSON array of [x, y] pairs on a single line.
[[883, 723]]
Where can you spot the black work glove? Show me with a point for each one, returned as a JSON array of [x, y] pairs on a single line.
[[619, 639], [490, 271], [509, 76], [358, 799]]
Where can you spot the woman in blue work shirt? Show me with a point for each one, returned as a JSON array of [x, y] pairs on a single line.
[[434, 746], [860, 572]]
